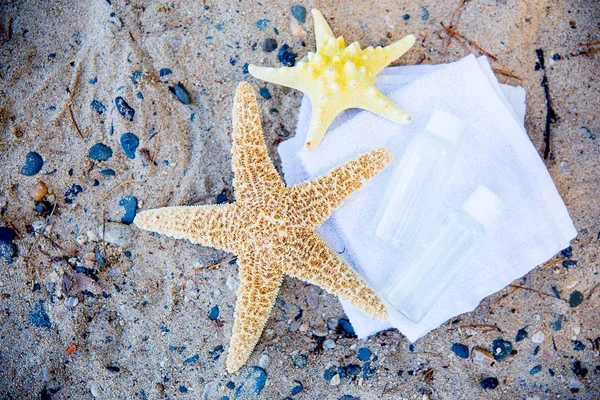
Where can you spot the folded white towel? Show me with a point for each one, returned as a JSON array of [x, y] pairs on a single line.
[[493, 150]]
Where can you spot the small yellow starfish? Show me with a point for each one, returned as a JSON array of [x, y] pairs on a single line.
[[337, 78], [271, 228]]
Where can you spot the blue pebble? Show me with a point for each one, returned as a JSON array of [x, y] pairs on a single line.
[[568, 252], [245, 68], [286, 57], [129, 203], [108, 172], [8, 251], [140, 95], [569, 263], [7, 234], [460, 350], [353, 369], [342, 372], [216, 352], [182, 389], [535, 369], [262, 24], [181, 93], [300, 361], [222, 198], [93, 81], [269, 45], [191, 360], [129, 143], [253, 383], [98, 106], [264, 92], [124, 108], [347, 397], [556, 323], [299, 13], [164, 72], [578, 346], [33, 164], [230, 385], [489, 383], [521, 334], [406, 17], [136, 76], [297, 388], [501, 349], [367, 371], [100, 152], [329, 373], [38, 316], [219, 26], [575, 298], [72, 193], [214, 313], [424, 13], [364, 354], [346, 327]]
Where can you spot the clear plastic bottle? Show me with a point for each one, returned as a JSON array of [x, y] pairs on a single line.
[[418, 182], [414, 291]]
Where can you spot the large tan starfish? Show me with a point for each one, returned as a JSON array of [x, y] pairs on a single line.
[[270, 227], [337, 78]]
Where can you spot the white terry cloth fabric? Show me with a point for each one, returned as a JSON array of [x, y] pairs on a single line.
[[493, 150]]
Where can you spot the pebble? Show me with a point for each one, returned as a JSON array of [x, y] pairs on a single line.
[[460, 350], [269, 45], [300, 361], [253, 383], [294, 326], [556, 323], [94, 391], [129, 203], [296, 28], [129, 143], [353, 369], [575, 298], [8, 251], [43, 207], [346, 327], [222, 198], [286, 57], [568, 252], [538, 337], [33, 164], [578, 345], [164, 72], [335, 380], [363, 354], [521, 334], [71, 301], [191, 360], [312, 296], [501, 349], [181, 93], [116, 233], [264, 360], [38, 225], [297, 388], [38, 316], [535, 369], [82, 239], [262, 24], [100, 152], [299, 13], [7, 234], [233, 283], [108, 172], [579, 370], [72, 193], [209, 389], [213, 314], [304, 327], [38, 191], [264, 92], [124, 108], [482, 356], [489, 383], [332, 324], [98, 106], [329, 344]]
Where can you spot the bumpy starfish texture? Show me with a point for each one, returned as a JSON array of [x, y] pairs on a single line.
[[337, 78], [270, 227]]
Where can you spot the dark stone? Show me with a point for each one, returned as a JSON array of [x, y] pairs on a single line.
[[72, 193], [135, 77], [264, 92], [182, 389], [124, 108], [367, 370], [568, 252], [181, 93], [576, 298], [346, 327], [164, 72], [38, 316], [299, 13], [535, 369], [348, 397], [579, 370], [129, 143], [43, 207], [230, 385], [569, 263], [521, 334], [216, 352], [342, 372], [578, 346], [262, 24], [556, 57], [329, 373], [100, 152], [364, 354], [108, 172], [424, 13], [406, 17], [99, 107], [253, 383], [213, 314], [7, 234], [8, 251], [501, 349], [536, 350], [93, 81], [460, 350], [300, 361], [33, 164], [353, 369], [556, 323], [286, 57], [297, 388], [191, 360], [129, 203], [245, 68], [489, 383], [269, 45], [222, 198]]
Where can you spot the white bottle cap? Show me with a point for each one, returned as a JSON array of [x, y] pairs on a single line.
[[446, 125], [484, 206]]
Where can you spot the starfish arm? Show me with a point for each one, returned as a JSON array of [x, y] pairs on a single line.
[[311, 202], [255, 298], [313, 261], [292, 77], [209, 225], [383, 56], [323, 31], [323, 114], [255, 175], [376, 102]]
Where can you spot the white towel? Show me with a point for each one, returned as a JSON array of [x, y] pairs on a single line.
[[493, 150]]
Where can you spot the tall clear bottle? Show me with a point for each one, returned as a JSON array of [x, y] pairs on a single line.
[[416, 290], [418, 182]]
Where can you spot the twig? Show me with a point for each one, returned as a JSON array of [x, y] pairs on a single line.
[[119, 185], [589, 44], [535, 290], [551, 116], [155, 153], [504, 296], [453, 24], [454, 33], [586, 52], [41, 232], [75, 123], [505, 72], [593, 291], [14, 228], [103, 231]]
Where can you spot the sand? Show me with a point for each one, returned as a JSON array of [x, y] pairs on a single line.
[[139, 335]]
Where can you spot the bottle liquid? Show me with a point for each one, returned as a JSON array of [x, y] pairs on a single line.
[[418, 182], [414, 291]]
